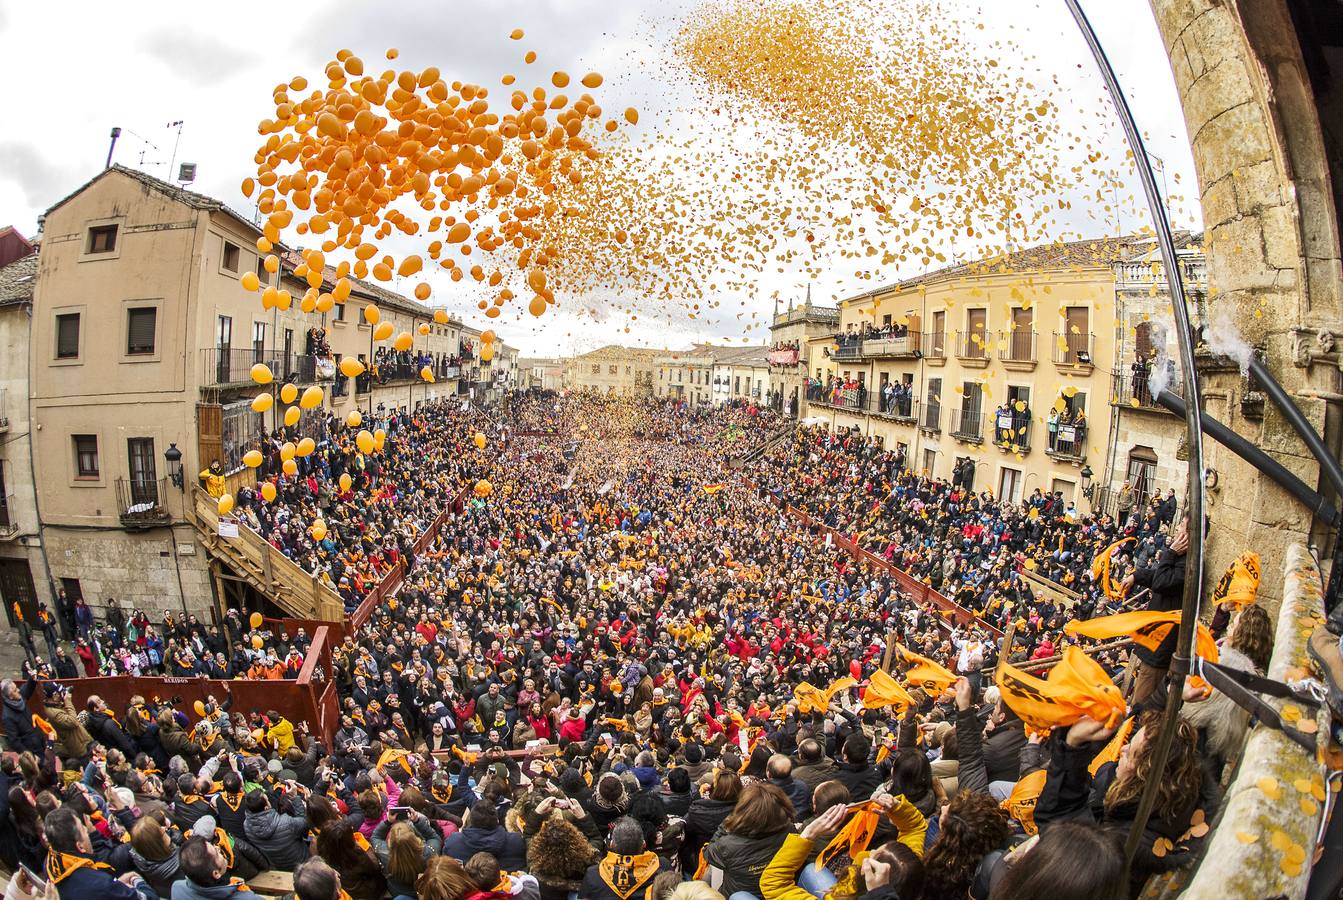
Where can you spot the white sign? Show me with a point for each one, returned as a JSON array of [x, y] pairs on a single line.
[[228, 529]]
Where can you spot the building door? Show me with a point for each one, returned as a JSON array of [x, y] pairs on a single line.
[[1142, 474], [224, 344], [288, 352], [1009, 485], [1021, 343], [929, 462], [976, 327], [16, 586], [1068, 489], [144, 479], [5, 520], [1078, 333]]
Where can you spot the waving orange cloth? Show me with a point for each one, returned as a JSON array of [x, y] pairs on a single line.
[[1077, 687]]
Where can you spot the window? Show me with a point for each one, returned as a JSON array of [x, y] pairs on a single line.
[[224, 332], [929, 461], [258, 341], [1142, 340], [67, 336], [596, 369], [340, 313], [102, 239], [140, 456], [140, 327], [261, 274], [86, 455], [613, 370], [232, 256], [939, 333], [1009, 485], [241, 427]]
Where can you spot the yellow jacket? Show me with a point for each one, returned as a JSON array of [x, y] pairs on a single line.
[[214, 484], [280, 735], [779, 880]]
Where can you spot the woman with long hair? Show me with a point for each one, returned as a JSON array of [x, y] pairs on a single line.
[[444, 878], [971, 827], [154, 855], [1070, 861], [360, 871], [1111, 796], [750, 836], [559, 856], [403, 847], [1247, 647], [706, 814]]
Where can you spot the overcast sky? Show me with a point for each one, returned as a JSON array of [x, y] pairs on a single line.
[[73, 74]]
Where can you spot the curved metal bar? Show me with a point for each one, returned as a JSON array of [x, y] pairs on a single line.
[[1193, 578]]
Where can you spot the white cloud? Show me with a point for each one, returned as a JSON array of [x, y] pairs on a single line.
[[214, 67]]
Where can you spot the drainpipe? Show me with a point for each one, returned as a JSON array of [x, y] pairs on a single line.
[[32, 467]]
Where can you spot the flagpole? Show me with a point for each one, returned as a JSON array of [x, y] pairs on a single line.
[[1193, 579]]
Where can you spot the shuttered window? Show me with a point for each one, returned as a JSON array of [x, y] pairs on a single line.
[[140, 327], [67, 336]]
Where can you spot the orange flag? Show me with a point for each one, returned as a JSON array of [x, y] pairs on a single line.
[[1020, 804], [1148, 629], [925, 673], [812, 699], [882, 690], [1076, 687], [1240, 582], [1111, 751], [854, 836], [1100, 569]]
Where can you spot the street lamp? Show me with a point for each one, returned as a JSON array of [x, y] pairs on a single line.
[[173, 457], [1087, 488]]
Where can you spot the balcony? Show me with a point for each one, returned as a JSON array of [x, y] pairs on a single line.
[[1074, 351], [847, 346], [1068, 443], [972, 348], [899, 346], [1012, 431], [140, 503], [1016, 350], [9, 526], [967, 425], [225, 367], [854, 400], [935, 347], [902, 409], [1135, 392], [451, 372], [932, 418]]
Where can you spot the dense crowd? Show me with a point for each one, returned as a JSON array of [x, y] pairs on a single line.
[[622, 672]]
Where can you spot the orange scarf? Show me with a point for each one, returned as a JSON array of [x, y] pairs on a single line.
[[61, 865]]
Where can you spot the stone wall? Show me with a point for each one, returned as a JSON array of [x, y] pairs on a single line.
[[1271, 243], [135, 568]]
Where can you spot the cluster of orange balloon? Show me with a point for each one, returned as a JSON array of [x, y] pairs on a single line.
[[311, 399], [336, 163], [483, 488]]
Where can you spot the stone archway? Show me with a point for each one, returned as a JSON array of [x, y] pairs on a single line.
[[1271, 234]]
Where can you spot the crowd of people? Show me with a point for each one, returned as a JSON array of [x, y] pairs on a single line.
[[626, 671]]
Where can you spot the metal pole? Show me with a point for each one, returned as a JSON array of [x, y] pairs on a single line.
[[1193, 580]]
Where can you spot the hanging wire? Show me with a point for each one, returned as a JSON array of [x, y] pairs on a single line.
[[1184, 334]]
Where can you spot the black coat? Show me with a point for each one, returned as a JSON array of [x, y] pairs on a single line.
[[701, 821], [18, 722], [1166, 582]]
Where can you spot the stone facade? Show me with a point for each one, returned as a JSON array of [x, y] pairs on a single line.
[[1271, 237], [140, 570]]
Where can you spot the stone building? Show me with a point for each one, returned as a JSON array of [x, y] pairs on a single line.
[[1147, 447], [142, 343], [614, 370], [789, 355], [741, 374], [688, 374], [542, 373], [23, 570]]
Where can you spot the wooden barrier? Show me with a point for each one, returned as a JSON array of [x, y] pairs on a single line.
[[921, 593], [309, 698]]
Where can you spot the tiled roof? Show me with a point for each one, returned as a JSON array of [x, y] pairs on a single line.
[[1093, 253], [181, 195], [17, 280]]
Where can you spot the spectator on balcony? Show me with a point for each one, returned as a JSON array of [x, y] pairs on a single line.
[[1142, 373], [1052, 426], [213, 479]]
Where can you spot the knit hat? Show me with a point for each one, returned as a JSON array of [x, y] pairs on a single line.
[[205, 827]]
